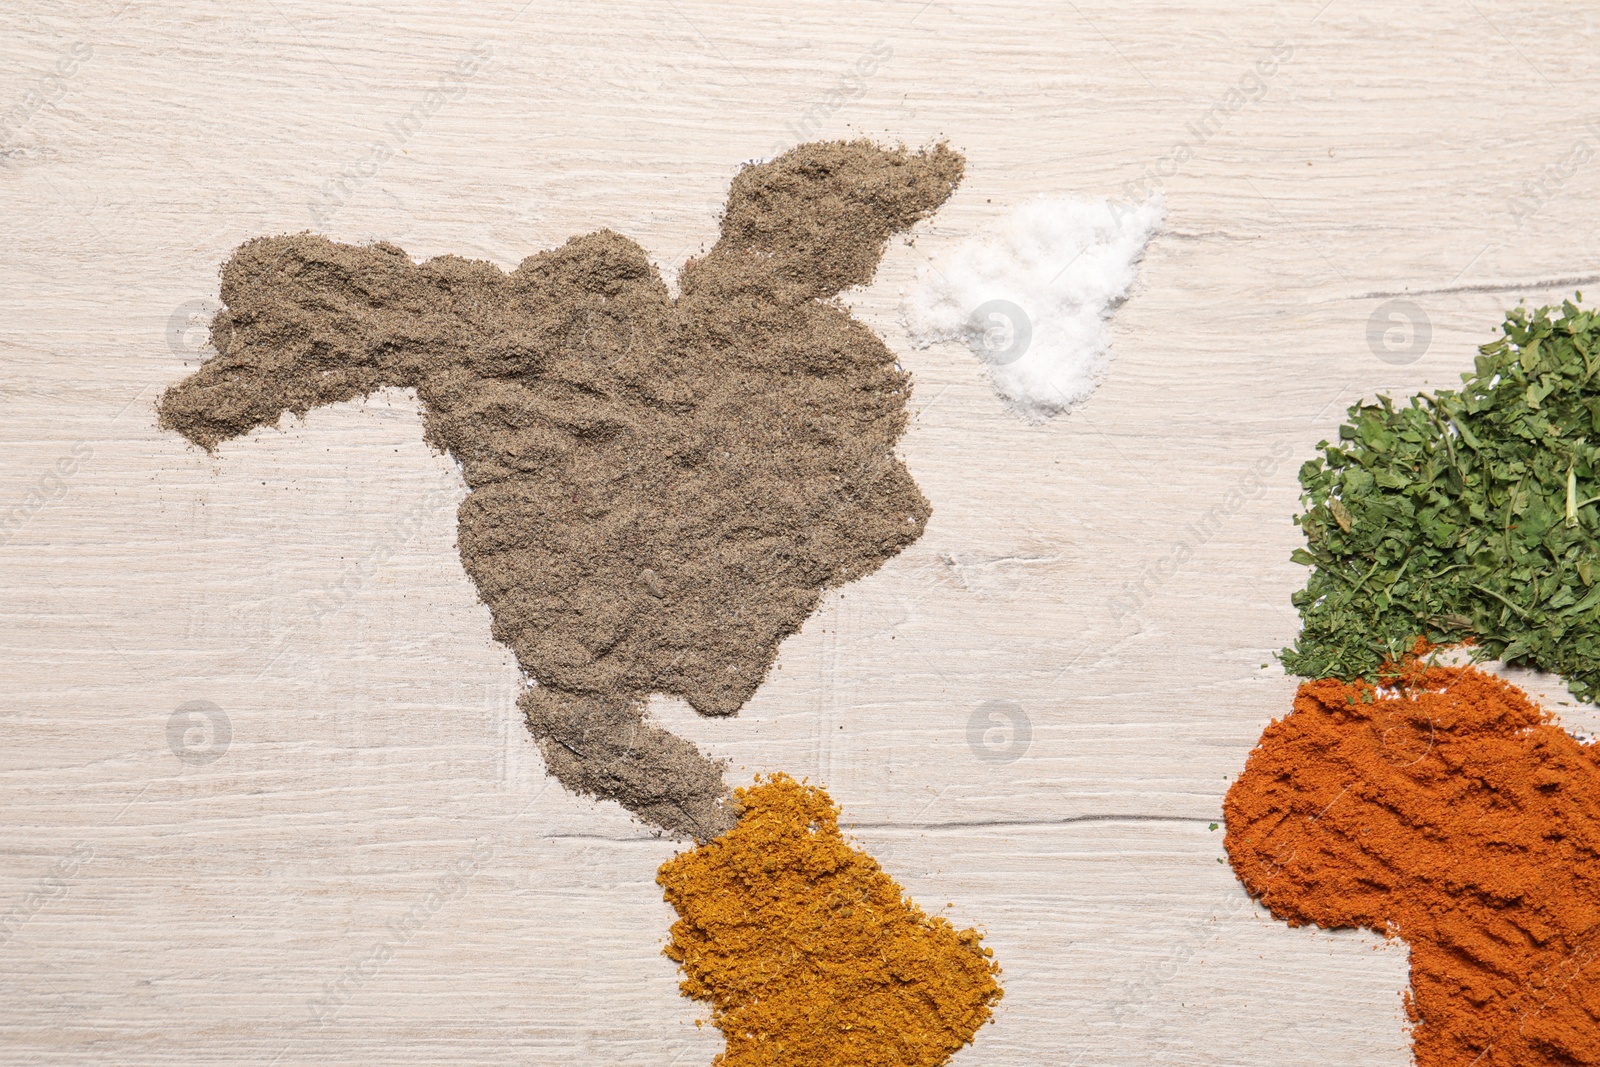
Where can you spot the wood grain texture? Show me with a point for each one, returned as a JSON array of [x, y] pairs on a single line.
[[376, 870]]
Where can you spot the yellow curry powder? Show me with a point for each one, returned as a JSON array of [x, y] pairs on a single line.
[[809, 954]]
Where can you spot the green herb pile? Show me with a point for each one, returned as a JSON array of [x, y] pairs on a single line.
[[1469, 515]]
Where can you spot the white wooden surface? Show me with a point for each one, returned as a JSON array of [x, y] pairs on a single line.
[[160, 911]]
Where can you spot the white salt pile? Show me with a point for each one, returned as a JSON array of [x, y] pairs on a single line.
[[1032, 294]]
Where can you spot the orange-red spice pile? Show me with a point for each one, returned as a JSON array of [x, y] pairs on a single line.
[[1449, 811]]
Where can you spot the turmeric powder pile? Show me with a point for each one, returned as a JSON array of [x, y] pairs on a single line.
[[1448, 810], [809, 954]]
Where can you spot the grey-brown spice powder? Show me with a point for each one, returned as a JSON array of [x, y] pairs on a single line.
[[659, 489]]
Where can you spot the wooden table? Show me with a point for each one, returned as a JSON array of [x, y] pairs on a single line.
[[374, 868]]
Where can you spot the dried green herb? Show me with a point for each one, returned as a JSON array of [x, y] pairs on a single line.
[[1469, 515]]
